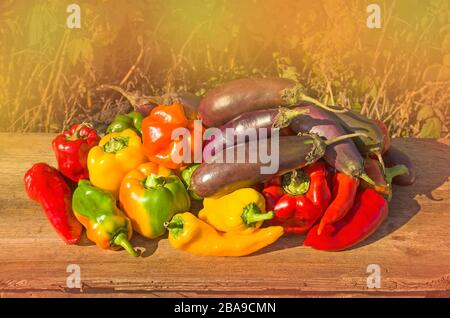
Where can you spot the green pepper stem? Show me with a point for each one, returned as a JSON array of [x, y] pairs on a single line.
[[116, 144], [122, 240], [173, 225], [154, 181], [252, 214], [395, 171], [296, 182]]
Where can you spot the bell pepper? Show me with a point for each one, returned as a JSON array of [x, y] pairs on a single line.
[[150, 195], [186, 176], [157, 131], [47, 186], [301, 199], [106, 225], [113, 158], [366, 215], [71, 149], [190, 234], [344, 192], [132, 120], [242, 211]]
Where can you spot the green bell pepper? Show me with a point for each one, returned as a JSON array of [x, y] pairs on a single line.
[[105, 224], [150, 200], [121, 122]]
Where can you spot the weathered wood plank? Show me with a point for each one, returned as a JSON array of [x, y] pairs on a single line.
[[412, 247]]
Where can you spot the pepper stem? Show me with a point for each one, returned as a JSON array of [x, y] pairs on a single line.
[[252, 214], [122, 240], [344, 137], [285, 116], [395, 171], [175, 226], [116, 144], [296, 182], [154, 181], [76, 134]]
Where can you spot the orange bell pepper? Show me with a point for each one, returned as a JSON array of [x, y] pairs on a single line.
[[157, 131]]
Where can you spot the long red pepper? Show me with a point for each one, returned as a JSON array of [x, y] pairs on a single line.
[[47, 186], [344, 192], [71, 149], [366, 215]]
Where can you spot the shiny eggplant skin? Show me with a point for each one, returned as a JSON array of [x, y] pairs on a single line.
[[246, 127], [233, 98], [344, 155], [216, 178]]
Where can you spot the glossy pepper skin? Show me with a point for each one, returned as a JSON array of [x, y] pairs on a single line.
[[366, 215], [46, 185], [71, 149], [344, 192], [157, 131], [150, 195], [106, 225], [132, 120], [242, 211], [190, 234], [115, 155], [304, 203]]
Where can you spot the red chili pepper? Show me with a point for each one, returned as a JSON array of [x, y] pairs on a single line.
[[344, 192], [366, 215], [72, 148], [46, 185], [306, 200]]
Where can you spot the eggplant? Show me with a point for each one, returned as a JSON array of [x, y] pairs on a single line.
[[377, 140], [344, 156], [393, 157], [233, 98], [217, 178], [251, 121]]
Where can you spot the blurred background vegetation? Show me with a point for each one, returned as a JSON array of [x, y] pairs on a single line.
[[50, 75]]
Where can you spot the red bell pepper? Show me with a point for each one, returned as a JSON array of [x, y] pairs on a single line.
[[71, 149], [344, 192], [305, 201], [46, 185], [366, 215]]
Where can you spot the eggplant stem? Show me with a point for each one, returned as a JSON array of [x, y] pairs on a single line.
[[344, 137]]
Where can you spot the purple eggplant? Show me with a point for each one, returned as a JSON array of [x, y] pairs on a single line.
[[219, 177], [344, 156], [231, 99], [393, 157], [247, 125]]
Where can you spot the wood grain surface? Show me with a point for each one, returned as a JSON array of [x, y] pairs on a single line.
[[412, 247]]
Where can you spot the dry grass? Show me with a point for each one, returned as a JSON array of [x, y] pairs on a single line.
[[50, 75]]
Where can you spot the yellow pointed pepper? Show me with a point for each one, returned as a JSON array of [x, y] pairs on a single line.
[[115, 155], [242, 211], [190, 234]]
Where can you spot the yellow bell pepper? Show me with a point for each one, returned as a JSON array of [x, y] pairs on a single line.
[[190, 234], [115, 155], [242, 211]]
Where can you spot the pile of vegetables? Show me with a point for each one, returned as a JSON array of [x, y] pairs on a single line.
[[334, 182]]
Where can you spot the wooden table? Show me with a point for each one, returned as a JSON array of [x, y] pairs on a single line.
[[412, 248]]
